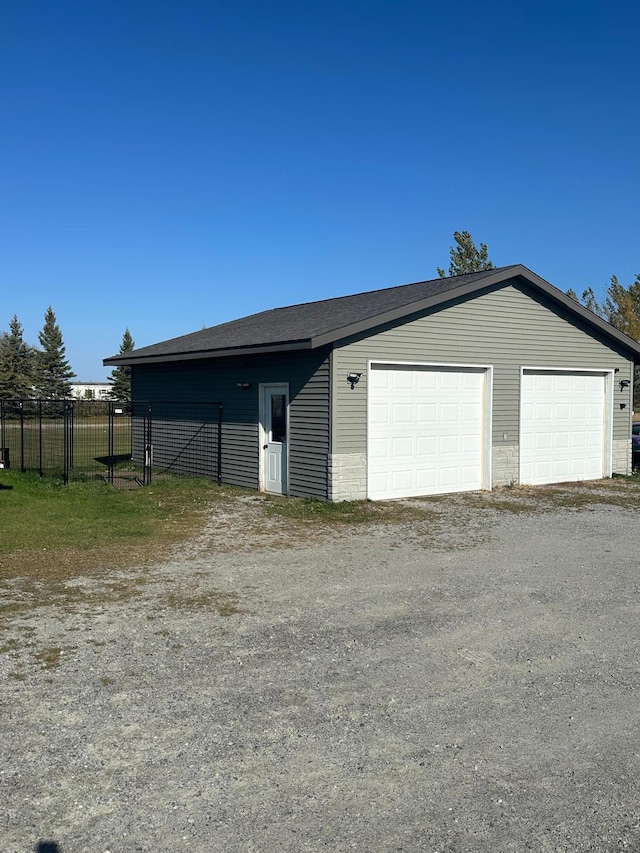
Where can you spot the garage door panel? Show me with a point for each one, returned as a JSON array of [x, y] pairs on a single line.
[[379, 446], [469, 476], [402, 447], [580, 412], [449, 380], [432, 438], [401, 413], [426, 380], [401, 480], [449, 476], [379, 380], [402, 380], [543, 412], [426, 413], [378, 481], [449, 413], [471, 444], [562, 433], [379, 413], [543, 441], [449, 445], [471, 381], [561, 472], [426, 445]]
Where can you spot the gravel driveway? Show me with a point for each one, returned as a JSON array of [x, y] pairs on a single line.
[[463, 682]]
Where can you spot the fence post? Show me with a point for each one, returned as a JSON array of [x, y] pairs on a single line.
[[148, 448], [22, 467], [67, 409], [219, 472], [40, 470], [65, 445], [4, 450], [110, 440], [72, 435]]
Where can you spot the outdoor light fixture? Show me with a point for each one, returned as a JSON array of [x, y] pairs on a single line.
[[353, 379], [624, 383], [244, 386]]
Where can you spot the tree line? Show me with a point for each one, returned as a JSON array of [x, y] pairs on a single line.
[[44, 372]]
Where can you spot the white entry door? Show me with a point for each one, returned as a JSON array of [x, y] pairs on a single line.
[[426, 430], [274, 429], [563, 426]]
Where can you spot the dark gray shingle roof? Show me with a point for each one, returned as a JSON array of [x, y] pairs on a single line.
[[313, 324]]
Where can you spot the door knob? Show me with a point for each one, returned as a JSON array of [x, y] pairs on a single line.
[[264, 446]]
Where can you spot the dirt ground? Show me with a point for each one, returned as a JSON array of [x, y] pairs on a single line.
[[463, 682]]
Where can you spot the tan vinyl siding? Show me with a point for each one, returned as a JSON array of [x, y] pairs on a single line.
[[216, 380], [505, 327]]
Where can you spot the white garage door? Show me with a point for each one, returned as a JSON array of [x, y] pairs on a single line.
[[562, 434], [426, 430]]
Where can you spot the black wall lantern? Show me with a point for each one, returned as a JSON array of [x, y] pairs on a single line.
[[243, 386], [353, 379]]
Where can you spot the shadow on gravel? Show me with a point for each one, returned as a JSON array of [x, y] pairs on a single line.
[[48, 847]]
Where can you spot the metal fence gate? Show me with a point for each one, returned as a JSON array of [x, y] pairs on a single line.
[[120, 443]]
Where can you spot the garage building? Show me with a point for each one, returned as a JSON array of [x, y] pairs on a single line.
[[450, 385]]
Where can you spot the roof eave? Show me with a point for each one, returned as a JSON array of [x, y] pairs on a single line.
[[129, 360]]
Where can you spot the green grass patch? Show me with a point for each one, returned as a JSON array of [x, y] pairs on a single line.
[[47, 527], [345, 512], [43, 443]]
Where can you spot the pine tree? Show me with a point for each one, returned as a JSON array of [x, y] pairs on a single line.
[[621, 308], [53, 371], [466, 257], [120, 377], [16, 363], [588, 300]]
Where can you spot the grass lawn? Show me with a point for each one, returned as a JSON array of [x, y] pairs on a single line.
[[42, 443], [51, 531]]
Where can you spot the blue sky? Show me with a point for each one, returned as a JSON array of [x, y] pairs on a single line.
[[172, 165]]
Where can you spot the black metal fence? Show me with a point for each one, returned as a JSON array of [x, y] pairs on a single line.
[[122, 443]]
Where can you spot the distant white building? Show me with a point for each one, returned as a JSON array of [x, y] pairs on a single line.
[[91, 390]]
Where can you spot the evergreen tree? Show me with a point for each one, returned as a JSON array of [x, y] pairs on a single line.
[[621, 308], [16, 363], [120, 377], [589, 301], [53, 371], [466, 257]]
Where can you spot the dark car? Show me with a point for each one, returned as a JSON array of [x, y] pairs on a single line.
[[635, 444]]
